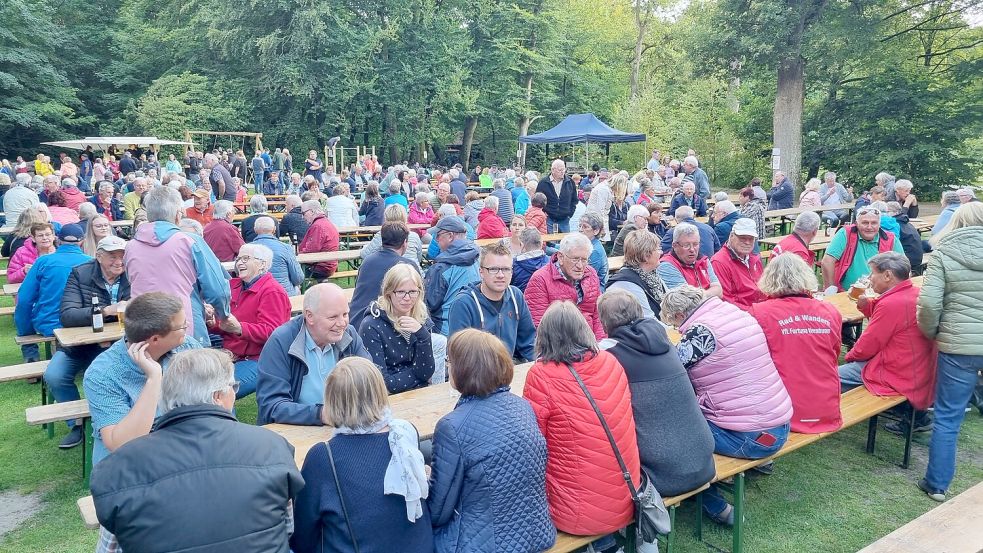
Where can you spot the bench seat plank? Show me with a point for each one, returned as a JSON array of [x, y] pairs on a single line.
[[88, 509], [23, 371], [57, 412]]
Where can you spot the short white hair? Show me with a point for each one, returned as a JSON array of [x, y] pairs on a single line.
[[684, 229], [258, 251], [223, 208], [491, 202], [313, 205], [720, 196], [264, 225], [163, 204], [446, 210], [903, 184], [637, 211], [574, 241], [807, 221], [726, 207], [193, 376], [558, 163], [258, 204], [684, 212], [691, 160]]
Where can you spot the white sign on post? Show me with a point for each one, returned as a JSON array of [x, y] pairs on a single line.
[[776, 157]]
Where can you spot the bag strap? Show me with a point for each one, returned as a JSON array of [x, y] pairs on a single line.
[[341, 498], [607, 430]]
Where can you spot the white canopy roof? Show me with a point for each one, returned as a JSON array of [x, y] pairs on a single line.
[[103, 142]]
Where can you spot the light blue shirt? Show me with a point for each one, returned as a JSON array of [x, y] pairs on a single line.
[[672, 278], [320, 363]]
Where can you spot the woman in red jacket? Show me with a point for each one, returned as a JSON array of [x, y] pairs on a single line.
[[259, 306], [584, 485], [490, 225], [803, 337]]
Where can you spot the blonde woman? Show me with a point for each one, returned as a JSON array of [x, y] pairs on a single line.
[[618, 211], [810, 196], [97, 228], [396, 213], [396, 331], [366, 487], [516, 227], [22, 231]]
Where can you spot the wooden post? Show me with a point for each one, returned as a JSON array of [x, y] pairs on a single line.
[[342, 160]]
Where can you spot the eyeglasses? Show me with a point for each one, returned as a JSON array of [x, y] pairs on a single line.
[[689, 245], [575, 260], [244, 258], [234, 385], [867, 209], [406, 294], [306, 212], [498, 270], [182, 328]]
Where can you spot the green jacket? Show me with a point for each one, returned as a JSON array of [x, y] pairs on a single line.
[[950, 299]]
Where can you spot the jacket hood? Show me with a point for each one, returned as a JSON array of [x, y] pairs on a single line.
[[530, 257], [964, 246], [476, 205], [156, 233], [646, 336], [460, 252]]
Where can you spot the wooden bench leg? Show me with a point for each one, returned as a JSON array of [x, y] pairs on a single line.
[[871, 434], [46, 398], [87, 446], [738, 513]]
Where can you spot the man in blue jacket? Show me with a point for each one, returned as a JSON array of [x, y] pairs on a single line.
[[300, 355], [454, 269], [689, 197], [38, 308], [494, 306], [782, 193]]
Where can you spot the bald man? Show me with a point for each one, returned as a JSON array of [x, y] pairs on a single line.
[[301, 354], [285, 268]]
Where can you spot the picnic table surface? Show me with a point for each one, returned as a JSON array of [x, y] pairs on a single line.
[[11, 289], [555, 237], [375, 229], [795, 211], [312, 258], [83, 335]]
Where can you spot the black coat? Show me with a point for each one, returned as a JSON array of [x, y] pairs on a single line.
[[293, 225], [911, 242], [562, 207], [84, 283], [200, 481]]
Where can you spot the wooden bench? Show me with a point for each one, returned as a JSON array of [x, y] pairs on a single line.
[[7, 310], [30, 371], [856, 405], [66, 411], [48, 341], [88, 509]]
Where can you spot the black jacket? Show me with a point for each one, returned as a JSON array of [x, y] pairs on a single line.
[[200, 481], [562, 207], [248, 226], [911, 242], [627, 274], [293, 225], [84, 283], [406, 364], [368, 283]]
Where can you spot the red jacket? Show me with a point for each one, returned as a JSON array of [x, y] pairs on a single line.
[[586, 492], [536, 218], [224, 239], [739, 282], [490, 225], [73, 197], [321, 236], [547, 285], [900, 359], [803, 337], [793, 244], [260, 310], [203, 217], [697, 275]]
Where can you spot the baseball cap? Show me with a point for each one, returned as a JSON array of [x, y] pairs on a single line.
[[202, 193], [112, 244], [452, 223], [71, 233], [745, 227]]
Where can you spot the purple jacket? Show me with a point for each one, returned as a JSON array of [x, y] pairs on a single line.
[[161, 258], [737, 386]]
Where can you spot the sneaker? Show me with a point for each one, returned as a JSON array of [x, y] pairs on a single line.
[[72, 439], [932, 493], [766, 469], [725, 517], [900, 428]]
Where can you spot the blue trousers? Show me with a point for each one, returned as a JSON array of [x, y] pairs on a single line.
[[742, 445], [953, 389], [553, 225], [60, 375], [246, 371]]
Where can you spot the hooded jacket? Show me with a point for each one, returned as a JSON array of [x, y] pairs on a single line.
[[674, 442], [490, 225], [199, 453], [952, 293], [454, 269], [524, 265], [282, 368], [38, 307], [584, 484], [405, 363], [321, 236], [900, 359], [285, 268], [161, 258], [548, 285], [419, 216], [911, 241], [511, 322]]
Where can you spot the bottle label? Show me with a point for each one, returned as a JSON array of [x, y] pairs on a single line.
[[97, 324]]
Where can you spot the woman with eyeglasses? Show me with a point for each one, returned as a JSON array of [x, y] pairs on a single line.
[[259, 305], [97, 229], [396, 331]]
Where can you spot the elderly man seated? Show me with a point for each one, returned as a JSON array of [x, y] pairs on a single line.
[[454, 268], [259, 306], [258, 207], [892, 356], [725, 214], [637, 219], [293, 225], [686, 264], [803, 233], [567, 277], [202, 210], [853, 246], [221, 235], [209, 454], [709, 243], [285, 268], [689, 198], [300, 355], [322, 236], [737, 267]]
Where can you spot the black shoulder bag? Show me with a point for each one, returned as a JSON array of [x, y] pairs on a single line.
[[651, 515], [341, 498]]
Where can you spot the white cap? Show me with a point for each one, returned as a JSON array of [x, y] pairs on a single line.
[[745, 227]]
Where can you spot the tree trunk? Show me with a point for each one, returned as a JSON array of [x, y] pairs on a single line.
[[641, 26], [470, 124], [525, 120], [733, 86], [389, 135], [787, 122]]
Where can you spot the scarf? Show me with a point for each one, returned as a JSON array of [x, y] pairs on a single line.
[[405, 475], [651, 280]]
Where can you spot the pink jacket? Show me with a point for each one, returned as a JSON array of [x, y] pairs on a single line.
[[25, 255], [418, 216], [73, 198], [810, 198], [737, 386], [547, 285]]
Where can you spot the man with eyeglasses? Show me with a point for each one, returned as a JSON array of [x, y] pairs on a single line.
[[853, 246], [299, 356], [685, 264], [455, 268], [159, 493], [494, 306], [568, 277]]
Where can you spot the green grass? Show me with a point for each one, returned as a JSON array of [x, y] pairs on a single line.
[[829, 496]]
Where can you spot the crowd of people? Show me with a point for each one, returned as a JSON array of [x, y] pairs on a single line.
[[757, 357]]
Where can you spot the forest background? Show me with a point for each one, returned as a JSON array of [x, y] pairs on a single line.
[[853, 86]]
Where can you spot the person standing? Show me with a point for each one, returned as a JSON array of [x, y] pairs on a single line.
[[561, 197]]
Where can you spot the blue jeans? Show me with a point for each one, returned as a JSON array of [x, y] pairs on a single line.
[[552, 225], [954, 387], [61, 372], [30, 352], [850, 375], [742, 445], [247, 371]]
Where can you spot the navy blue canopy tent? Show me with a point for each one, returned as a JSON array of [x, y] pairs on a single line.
[[581, 127]]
